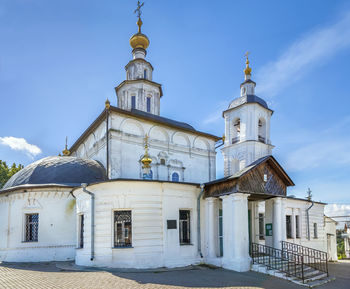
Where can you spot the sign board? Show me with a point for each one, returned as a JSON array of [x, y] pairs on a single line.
[[268, 229], [171, 224]]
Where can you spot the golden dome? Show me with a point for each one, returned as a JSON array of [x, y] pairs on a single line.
[[139, 40], [247, 70]]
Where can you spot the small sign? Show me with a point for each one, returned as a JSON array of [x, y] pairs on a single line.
[[171, 224], [268, 229]]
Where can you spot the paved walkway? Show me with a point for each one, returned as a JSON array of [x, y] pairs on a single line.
[[53, 275]]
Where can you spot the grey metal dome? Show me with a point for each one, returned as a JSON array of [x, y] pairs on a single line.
[[58, 170]]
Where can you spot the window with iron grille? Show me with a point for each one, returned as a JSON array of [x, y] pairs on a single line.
[[289, 226], [81, 231], [32, 227], [315, 231], [122, 229], [185, 227], [297, 226], [261, 227]]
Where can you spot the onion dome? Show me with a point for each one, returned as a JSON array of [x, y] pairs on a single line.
[[247, 70], [139, 40], [58, 170], [146, 159]]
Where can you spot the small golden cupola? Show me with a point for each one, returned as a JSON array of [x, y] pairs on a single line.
[[66, 152], [146, 160], [139, 40], [247, 70]]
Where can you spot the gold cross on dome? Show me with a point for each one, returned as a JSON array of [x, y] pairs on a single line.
[[247, 54], [138, 9]]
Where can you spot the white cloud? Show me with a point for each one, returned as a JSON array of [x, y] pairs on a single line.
[[20, 144], [306, 53]]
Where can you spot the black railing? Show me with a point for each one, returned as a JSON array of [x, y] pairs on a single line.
[[313, 258], [284, 261]]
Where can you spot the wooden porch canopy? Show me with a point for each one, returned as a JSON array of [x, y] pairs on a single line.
[[262, 179]]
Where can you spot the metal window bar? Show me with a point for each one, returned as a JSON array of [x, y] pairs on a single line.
[[184, 224], [32, 227], [81, 231], [313, 258], [122, 229]]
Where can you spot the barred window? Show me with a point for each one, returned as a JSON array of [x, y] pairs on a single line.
[[185, 227], [297, 226], [32, 227], [261, 227], [289, 226], [81, 231], [122, 229]]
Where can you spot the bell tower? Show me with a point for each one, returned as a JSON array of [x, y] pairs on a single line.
[[247, 127], [139, 91]]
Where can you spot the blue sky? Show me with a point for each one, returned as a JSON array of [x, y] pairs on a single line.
[[60, 60]]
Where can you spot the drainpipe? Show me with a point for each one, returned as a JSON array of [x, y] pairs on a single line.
[[92, 195], [107, 142], [199, 219], [308, 223]]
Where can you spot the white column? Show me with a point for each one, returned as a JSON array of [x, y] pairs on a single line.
[[235, 232], [211, 232], [279, 222]]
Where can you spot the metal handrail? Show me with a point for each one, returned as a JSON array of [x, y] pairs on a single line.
[[287, 262], [313, 258]]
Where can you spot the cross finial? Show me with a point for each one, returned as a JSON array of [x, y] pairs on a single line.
[[246, 55], [66, 152], [138, 9]]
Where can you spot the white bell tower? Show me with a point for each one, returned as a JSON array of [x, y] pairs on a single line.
[[247, 128], [139, 91]]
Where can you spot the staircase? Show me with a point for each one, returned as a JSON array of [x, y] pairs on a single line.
[[299, 264]]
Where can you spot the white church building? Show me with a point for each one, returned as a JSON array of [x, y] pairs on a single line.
[[138, 190]]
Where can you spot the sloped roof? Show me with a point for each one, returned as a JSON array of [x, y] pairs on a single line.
[[272, 161]]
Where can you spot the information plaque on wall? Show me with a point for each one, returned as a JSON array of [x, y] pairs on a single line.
[[268, 229], [171, 224]]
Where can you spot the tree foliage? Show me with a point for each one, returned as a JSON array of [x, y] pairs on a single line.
[[7, 172]]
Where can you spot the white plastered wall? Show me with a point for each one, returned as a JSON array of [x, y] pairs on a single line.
[[152, 204], [56, 236]]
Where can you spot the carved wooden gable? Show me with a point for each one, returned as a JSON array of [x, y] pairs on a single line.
[[265, 178]]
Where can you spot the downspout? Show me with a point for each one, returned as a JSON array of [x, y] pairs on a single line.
[[107, 138], [92, 195], [308, 223], [199, 220]]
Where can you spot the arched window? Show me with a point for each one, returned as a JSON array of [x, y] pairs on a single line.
[[148, 104], [145, 74], [162, 162], [150, 175], [236, 134], [175, 177], [262, 130]]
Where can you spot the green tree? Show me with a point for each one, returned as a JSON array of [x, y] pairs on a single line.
[[7, 172]]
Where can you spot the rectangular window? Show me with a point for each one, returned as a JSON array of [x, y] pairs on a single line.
[[315, 231], [261, 227], [122, 229], [32, 227], [185, 227], [297, 226], [133, 101], [289, 226], [145, 74], [81, 231], [148, 104]]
